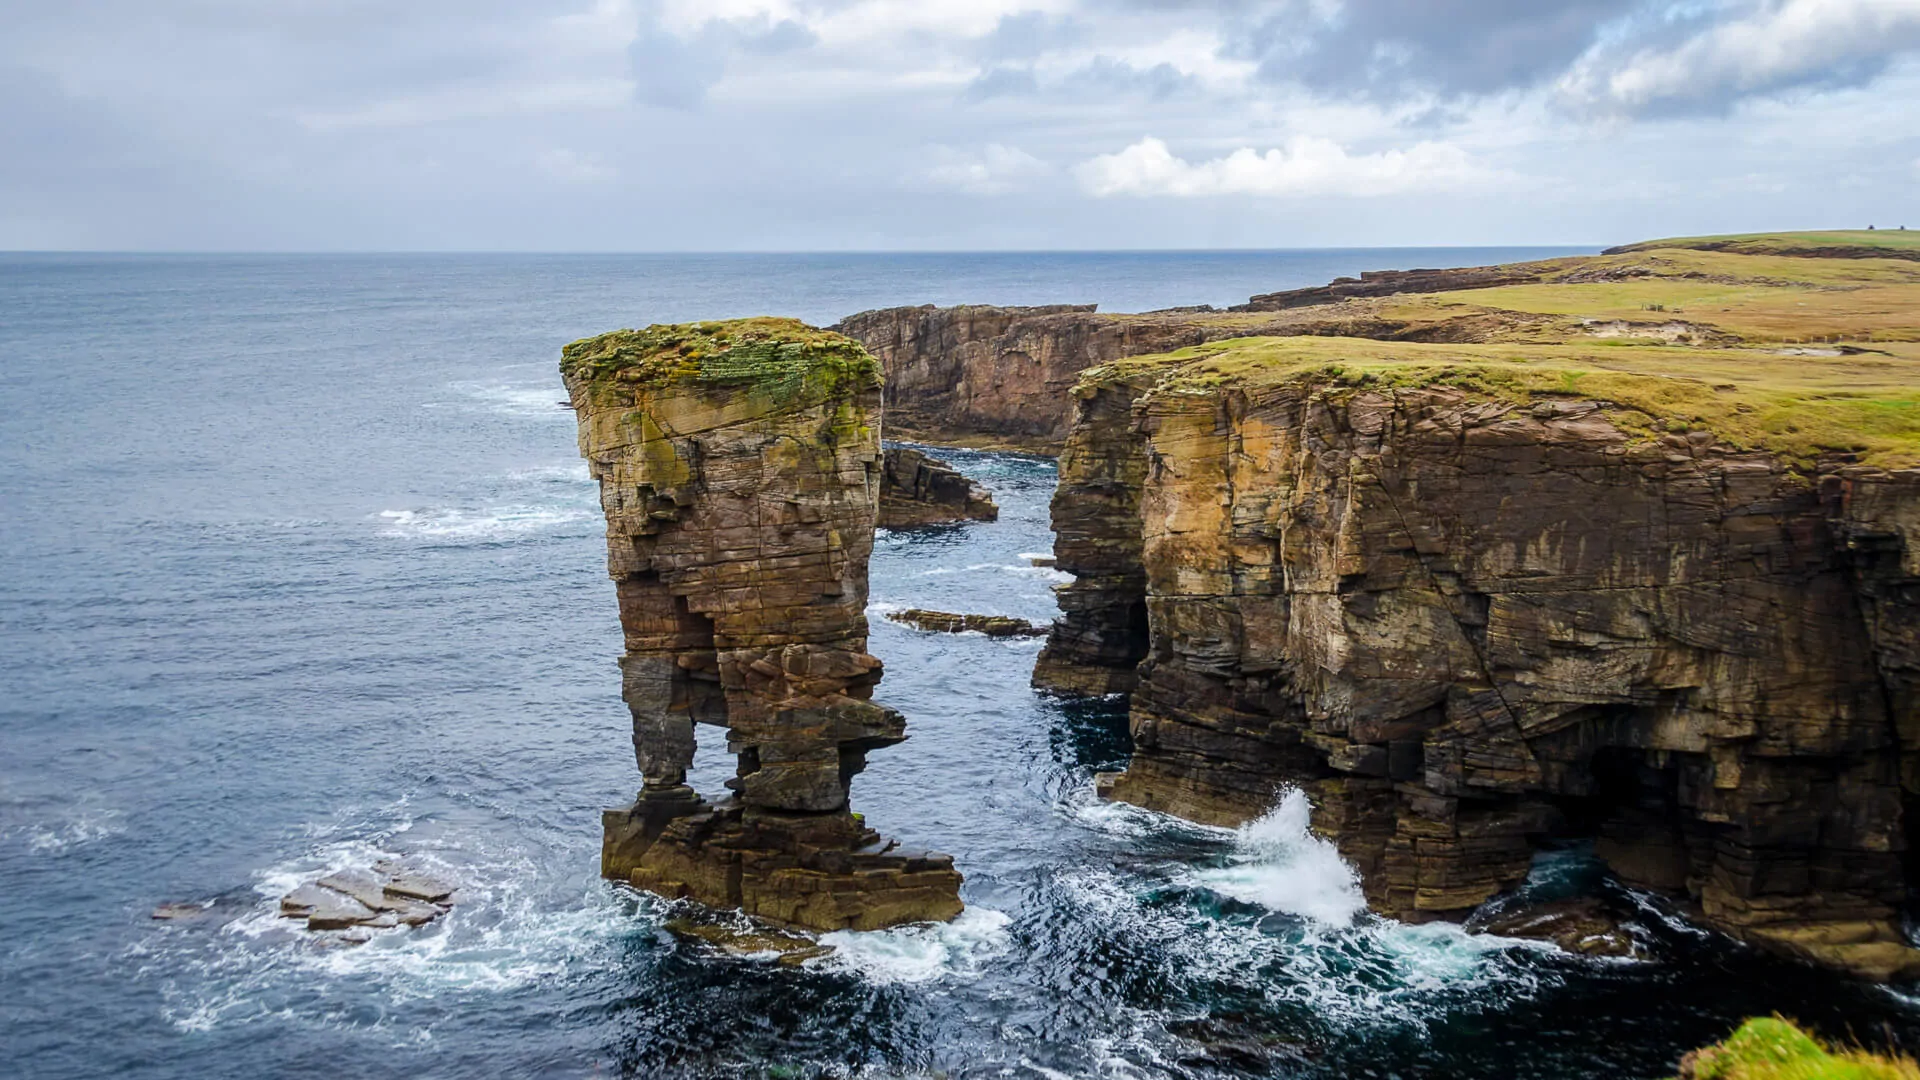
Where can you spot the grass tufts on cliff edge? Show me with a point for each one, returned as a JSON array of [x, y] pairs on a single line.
[[782, 357], [1770, 341], [1772, 1048]]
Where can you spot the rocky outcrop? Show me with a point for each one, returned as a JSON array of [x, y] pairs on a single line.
[[1467, 622], [392, 893], [946, 622], [916, 489], [739, 469], [1101, 635], [964, 374], [1373, 283]]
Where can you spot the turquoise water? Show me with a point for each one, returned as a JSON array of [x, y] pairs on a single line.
[[299, 567]]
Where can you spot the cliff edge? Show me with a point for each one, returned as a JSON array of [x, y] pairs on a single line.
[[1654, 593]]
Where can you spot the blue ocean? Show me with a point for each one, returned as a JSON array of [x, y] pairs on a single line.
[[299, 568]]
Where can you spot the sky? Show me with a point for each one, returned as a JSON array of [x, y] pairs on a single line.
[[823, 125]]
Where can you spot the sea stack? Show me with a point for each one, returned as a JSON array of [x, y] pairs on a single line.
[[739, 468]]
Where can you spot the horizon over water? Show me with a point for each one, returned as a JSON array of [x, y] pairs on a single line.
[[301, 568]]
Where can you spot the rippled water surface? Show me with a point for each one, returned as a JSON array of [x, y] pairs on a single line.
[[298, 567]]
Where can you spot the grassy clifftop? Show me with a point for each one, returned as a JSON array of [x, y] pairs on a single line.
[[1785, 349], [1774, 1049], [781, 356], [1836, 243]]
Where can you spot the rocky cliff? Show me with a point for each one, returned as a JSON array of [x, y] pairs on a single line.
[[1480, 598], [980, 374], [918, 489], [739, 469]]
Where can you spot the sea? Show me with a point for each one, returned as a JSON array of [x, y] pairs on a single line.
[[300, 568]]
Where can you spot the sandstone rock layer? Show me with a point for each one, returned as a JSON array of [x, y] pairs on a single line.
[[1467, 622], [916, 489], [739, 468]]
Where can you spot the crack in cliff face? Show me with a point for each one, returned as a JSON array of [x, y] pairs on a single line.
[[1466, 635], [740, 517], [1675, 658]]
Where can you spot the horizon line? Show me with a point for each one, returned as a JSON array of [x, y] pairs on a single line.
[[781, 251]]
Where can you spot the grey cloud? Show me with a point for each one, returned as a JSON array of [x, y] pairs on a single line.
[[1102, 78], [1000, 81], [1105, 75], [1394, 48], [1028, 34], [1709, 61]]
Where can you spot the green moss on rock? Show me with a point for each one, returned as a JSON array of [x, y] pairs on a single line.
[[781, 357]]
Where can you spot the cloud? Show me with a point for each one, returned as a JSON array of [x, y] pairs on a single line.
[[1390, 49], [995, 170], [1742, 49], [676, 67], [1308, 165], [1102, 78]]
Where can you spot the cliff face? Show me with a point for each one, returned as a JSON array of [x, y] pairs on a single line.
[[963, 373], [739, 467], [1469, 623]]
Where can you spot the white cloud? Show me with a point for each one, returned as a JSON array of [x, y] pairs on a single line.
[[1307, 165], [1777, 44], [995, 170]]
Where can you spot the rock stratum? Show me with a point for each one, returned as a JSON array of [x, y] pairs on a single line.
[[917, 489], [983, 375], [1550, 580], [740, 472]]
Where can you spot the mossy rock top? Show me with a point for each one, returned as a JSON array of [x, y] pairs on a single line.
[[781, 356]]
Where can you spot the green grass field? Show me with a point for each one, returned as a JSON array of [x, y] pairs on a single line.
[[1800, 354]]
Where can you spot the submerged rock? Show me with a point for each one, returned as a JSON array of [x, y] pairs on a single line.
[[788, 950], [1584, 926], [948, 623], [919, 490], [740, 473]]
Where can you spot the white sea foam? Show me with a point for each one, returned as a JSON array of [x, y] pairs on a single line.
[[74, 829], [505, 930], [541, 398], [1280, 865], [1026, 570], [920, 952], [490, 523], [572, 472], [1351, 968]]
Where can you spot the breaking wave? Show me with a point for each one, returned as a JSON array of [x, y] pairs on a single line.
[[920, 952]]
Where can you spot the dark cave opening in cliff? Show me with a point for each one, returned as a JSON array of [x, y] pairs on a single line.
[[1626, 804]]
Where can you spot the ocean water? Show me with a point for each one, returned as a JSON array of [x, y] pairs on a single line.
[[298, 567]]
